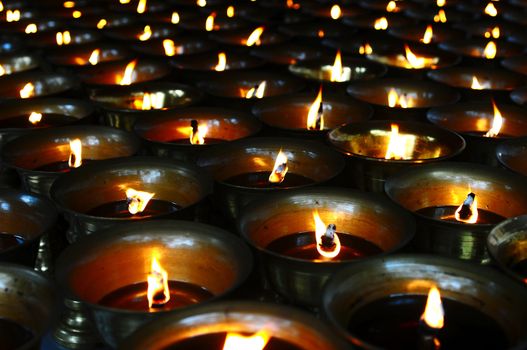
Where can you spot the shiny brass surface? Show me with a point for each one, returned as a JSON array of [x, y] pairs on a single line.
[[190, 252], [365, 215], [461, 77], [107, 73], [479, 287], [416, 32], [365, 145], [475, 48], [19, 62], [497, 190], [164, 126], [513, 155], [507, 245], [307, 158], [29, 299], [45, 84], [285, 323], [46, 146], [105, 181]]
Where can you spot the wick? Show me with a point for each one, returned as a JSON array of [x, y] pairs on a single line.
[[428, 339], [320, 114], [466, 208], [194, 125], [328, 239]]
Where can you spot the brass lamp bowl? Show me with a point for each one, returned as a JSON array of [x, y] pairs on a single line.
[[98, 183], [48, 39], [134, 31], [28, 299], [29, 152], [478, 287], [429, 13], [167, 133], [197, 23], [364, 215], [81, 55], [288, 52], [309, 159], [297, 328], [473, 119], [238, 37], [18, 62], [312, 29], [190, 252], [513, 155], [28, 216], [123, 106], [183, 45], [366, 143], [45, 84], [447, 184], [475, 48], [416, 32]]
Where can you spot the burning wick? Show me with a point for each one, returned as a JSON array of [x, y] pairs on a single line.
[[27, 91], [432, 320], [75, 159], [280, 169], [328, 243], [257, 91], [315, 116], [35, 118], [158, 293], [137, 200], [236, 341], [197, 133], [468, 211], [254, 37]]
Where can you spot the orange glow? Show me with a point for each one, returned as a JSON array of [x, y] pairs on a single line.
[[147, 33], [490, 50], [198, 133], [428, 35], [291, 4], [209, 22], [396, 100], [365, 49], [157, 293], [31, 28], [175, 18], [392, 7], [12, 15], [222, 62], [69, 4], [494, 33], [170, 47], [476, 85], [434, 313], [201, 3], [440, 3], [35, 118], [150, 101], [440, 17], [468, 210], [380, 24], [280, 168], [236, 341], [102, 23], [335, 12], [321, 33], [400, 146], [75, 159], [124, 1], [141, 6], [63, 38], [337, 73], [94, 57], [1, 6], [137, 200], [491, 10], [2, 70], [257, 91], [27, 91], [254, 38], [497, 122], [76, 14], [418, 62], [128, 74], [230, 11], [315, 117], [323, 234]]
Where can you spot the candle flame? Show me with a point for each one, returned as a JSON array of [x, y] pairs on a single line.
[[128, 73], [380, 24], [315, 116], [2, 70], [291, 4], [198, 133], [1, 6], [491, 10], [27, 91], [236, 341], [141, 6], [147, 33], [396, 100], [490, 50], [328, 242], [124, 1], [209, 23], [434, 313], [102, 23], [63, 38], [137, 200], [400, 146], [494, 33], [440, 3], [175, 18], [158, 293], [75, 159], [222, 62], [257, 91], [392, 7], [497, 122], [170, 47], [468, 210], [417, 62], [280, 168], [12, 15], [337, 72], [335, 11], [365, 49], [69, 4], [440, 17], [476, 85], [76, 14], [155, 100], [230, 11], [31, 28], [94, 57], [35, 118], [201, 3], [254, 38], [321, 33], [428, 35]]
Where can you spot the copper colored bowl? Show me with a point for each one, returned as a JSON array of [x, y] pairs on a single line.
[[513, 155]]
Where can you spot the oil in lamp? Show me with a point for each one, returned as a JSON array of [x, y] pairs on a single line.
[[383, 303], [435, 192], [512, 154], [31, 84], [377, 21]]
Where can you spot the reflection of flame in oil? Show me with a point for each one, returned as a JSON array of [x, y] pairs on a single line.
[[400, 146]]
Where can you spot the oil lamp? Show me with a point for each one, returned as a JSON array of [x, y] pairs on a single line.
[[178, 189], [331, 11], [184, 133], [425, 34], [382, 303], [516, 64], [33, 84], [304, 236], [62, 37], [141, 32], [41, 155], [18, 62], [512, 154], [482, 49], [377, 21], [176, 46], [200, 262], [289, 52], [438, 193], [248, 37], [87, 55], [483, 125], [260, 166], [378, 149], [237, 325], [213, 21]]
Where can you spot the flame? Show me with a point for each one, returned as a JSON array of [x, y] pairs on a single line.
[[321, 33], [396, 100], [254, 38], [124, 1], [1, 6], [27, 91], [63, 38], [428, 35], [147, 33], [315, 117], [440, 3], [76, 14], [392, 7], [497, 122], [230, 11], [491, 10], [337, 72], [102, 23], [236, 341], [365, 49], [440, 17], [291, 4], [400, 146], [12, 15], [137, 200], [222, 62], [280, 168], [209, 23], [335, 12], [170, 47], [494, 32], [141, 6], [158, 293], [257, 91], [150, 101], [2, 70], [434, 314], [322, 230], [471, 204], [128, 72], [175, 18], [381, 24], [201, 3], [490, 50], [31, 28], [35, 118], [69, 4], [94, 57], [75, 159], [476, 84], [417, 62]]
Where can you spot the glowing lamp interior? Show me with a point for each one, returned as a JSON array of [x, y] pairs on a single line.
[[335, 11], [380, 24], [400, 146], [222, 62], [141, 6], [497, 122], [254, 37], [279, 169], [328, 243], [75, 159], [467, 212], [257, 91], [27, 91], [337, 72], [35, 118], [128, 73], [158, 293], [434, 313], [236, 341], [137, 200], [365, 49]]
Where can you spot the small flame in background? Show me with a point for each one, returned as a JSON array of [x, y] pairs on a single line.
[[491, 10], [12, 15], [291, 4], [35, 118], [76, 14], [75, 159], [440, 3], [69, 4], [230, 11], [209, 22], [325, 232], [63, 38], [257, 91], [128, 73], [490, 50], [392, 7], [157, 293], [154, 100], [102, 23], [201, 3], [197, 133], [146, 34], [380, 24], [175, 18], [137, 200], [170, 47], [365, 49], [27, 91], [428, 35], [222, 62], [494, 33], [141, 6], [440, 17], [400, 146], [497, 122], [315, 116], [468, 210], [31, 28], [236, 341], [254, 37], [337, 71], [94, 57], [335, 12], [434, 313], [396, 100], [279, 169], [417, 62], [2, 70]]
